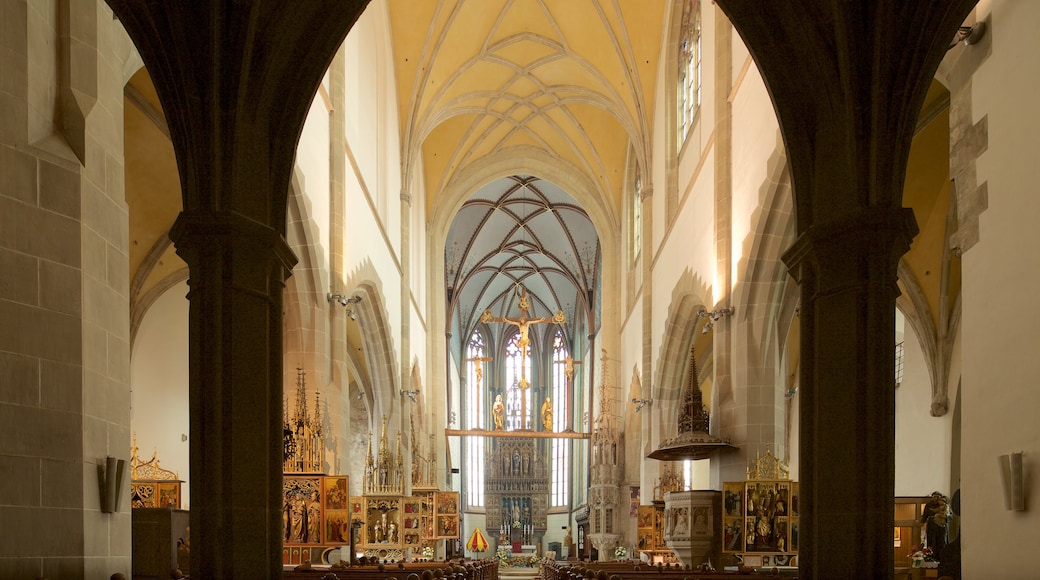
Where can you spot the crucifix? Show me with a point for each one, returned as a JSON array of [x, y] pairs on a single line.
[[522, 324]]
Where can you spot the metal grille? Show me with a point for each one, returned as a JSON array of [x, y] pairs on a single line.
[[899, 364]]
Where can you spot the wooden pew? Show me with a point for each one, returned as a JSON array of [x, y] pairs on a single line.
[[629, 570], [468, 570]]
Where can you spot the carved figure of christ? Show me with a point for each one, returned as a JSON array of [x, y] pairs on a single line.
[[523, 323]]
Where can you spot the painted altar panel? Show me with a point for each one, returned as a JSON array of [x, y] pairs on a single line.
[[336, 510], [411, 524], [447, 520]]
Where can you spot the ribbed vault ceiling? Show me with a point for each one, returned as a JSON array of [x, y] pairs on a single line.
[[573, 78], [516, 233]]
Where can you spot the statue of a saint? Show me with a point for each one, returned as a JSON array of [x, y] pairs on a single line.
[[934, 516], [299, 511], [547, 414], [498, 410], [314, 520], [392, 533]]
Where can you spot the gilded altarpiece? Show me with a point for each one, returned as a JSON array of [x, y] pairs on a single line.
[[760, 515], [150, 485]]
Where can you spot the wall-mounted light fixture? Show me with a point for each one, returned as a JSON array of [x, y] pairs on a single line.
[[969, 35], [640, 403], [348, 303], [110, 483], [713, 316], [411, 394], [1012, 477]]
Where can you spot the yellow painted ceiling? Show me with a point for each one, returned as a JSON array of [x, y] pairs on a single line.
[[927, 190], [476, 78], [153, 189]]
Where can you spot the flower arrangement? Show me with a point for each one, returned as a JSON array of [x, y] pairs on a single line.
[[620, 553], [921, 554], [427, 552], [506, 560]]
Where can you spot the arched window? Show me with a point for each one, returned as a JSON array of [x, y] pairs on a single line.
[[637, 213], [561, 396], [689, 84], [514, 371], [476, 417]]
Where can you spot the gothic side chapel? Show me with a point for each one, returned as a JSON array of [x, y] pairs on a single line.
[[315, 514]]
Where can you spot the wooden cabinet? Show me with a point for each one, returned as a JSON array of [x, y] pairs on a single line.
[[907, 533]]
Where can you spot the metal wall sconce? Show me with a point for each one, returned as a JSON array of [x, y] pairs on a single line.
[[110, 483], [713, 317], [640, 403], [1012, 478], [969, 35], [348, 303], [411, 394]]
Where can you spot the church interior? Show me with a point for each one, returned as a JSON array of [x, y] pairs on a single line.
[[521, 282]]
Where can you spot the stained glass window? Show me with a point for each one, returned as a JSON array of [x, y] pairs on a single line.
[[689, 84], [560, 448], [514, 373], [476, 415]]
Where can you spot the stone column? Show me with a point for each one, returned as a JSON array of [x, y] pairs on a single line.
[[847, 442], [236, 81], [847, 81], [238, 269]]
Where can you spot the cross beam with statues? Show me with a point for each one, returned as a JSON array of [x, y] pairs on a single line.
[[522, 323]]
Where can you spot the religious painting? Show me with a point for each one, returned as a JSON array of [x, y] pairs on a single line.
[[633, 501], [646, 516], [733, 500], [301, 510], [447, 503], [169, 495], [411, 522], [337, 527], [447, 527], [733, 540], [645, 540], [356, 511], [336, 495]]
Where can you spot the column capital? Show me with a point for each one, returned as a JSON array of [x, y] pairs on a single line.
[[406, 197], [198, 233], [838, 244], [646, 193]]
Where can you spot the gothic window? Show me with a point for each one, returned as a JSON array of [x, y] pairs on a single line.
[[514, 372], [560, 448], [637, 212], [475, 418], [689, 84]]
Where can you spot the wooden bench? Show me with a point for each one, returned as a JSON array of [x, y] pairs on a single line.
[[468, 570], [628, 570]]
